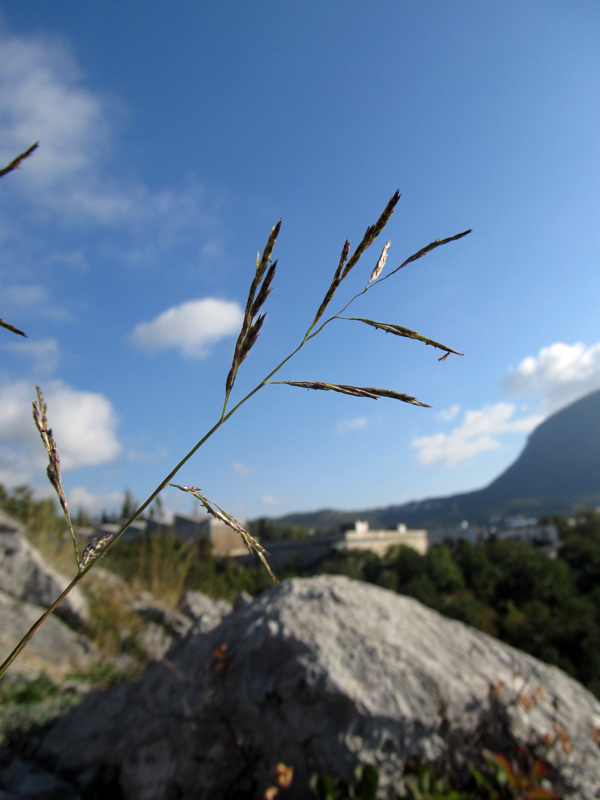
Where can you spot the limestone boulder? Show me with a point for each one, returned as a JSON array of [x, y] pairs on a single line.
[[206, 612], [323, 674], [55, 649], [25, 575]]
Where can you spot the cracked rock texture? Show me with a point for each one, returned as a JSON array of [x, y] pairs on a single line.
[[322, 674]]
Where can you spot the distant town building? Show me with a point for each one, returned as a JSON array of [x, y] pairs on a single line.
[[380, 541]]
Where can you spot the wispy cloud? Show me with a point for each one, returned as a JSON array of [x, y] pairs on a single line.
[[74, 174], [348, 425], [269, 500], [244, 470], [560, 374], [190, 328], [94, 502], [447, 414], [84, 424], [479, 431], [44, 353]]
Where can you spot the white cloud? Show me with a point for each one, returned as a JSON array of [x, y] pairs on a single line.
[[560, 374], [447, 414], [477, 433], [269, 500], [245, 470], [43, 97], [191, 327], [347, 425], [93, 503], [84, 424], [45, 353]]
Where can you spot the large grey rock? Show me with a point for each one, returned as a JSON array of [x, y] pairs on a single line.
[[206, 612], [164, 626], [55, 649], [25, 575], [322, 674], [174, 622]]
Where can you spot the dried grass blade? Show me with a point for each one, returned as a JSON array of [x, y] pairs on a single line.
[[372, 233], [40, 416], [398, 330], [16, 162], [217, 512], [355, 391], [380, 263], [12, 328]]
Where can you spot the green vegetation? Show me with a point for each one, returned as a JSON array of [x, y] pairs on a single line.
[[26, 705], [266, 530], [167, 566], [518, 775], [547, 607]]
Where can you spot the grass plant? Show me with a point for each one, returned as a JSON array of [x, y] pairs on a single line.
[[261, 287]]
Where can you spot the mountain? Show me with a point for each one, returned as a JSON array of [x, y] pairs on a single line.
[[558, 470]]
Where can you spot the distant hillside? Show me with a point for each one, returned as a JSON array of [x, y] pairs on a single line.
[[558, 470]]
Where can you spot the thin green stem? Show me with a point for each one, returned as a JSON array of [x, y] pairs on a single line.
[[224, 417]]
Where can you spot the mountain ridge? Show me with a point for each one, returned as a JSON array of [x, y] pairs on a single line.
[[557, 471]]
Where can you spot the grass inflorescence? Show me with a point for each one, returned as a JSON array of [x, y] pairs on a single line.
[[261, 287]]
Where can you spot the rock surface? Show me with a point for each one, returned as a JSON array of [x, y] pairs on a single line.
[[24, 575], [206, 612], [322, 674], [55, 649]]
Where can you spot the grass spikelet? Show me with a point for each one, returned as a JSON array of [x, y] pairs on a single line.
[[230, 521], [16, 162], [94, 549], [12, 328], [427, 249], [355, 391], [251, 326], [337, 279], [372, 233], [381, 263], [398, 330], [40, 416]]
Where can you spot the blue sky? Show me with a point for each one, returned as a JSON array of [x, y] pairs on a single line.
[[173, 137]]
